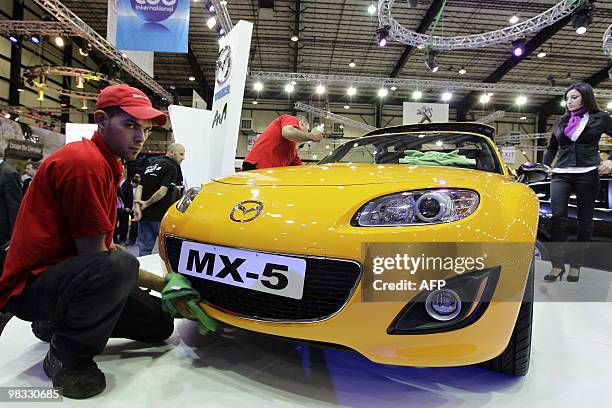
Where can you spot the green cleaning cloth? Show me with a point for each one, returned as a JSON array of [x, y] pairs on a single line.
[[177, 286], [436, 158]]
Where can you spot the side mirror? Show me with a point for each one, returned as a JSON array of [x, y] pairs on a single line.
[[530, 172]]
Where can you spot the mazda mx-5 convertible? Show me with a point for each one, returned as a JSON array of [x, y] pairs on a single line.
[[411, 245]]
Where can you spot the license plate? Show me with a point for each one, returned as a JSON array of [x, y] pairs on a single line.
[[274, 274]]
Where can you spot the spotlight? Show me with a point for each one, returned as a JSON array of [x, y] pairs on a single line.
[[210, 7], [381, 36], [514, 19], [462, 71], [84, 107], [289, 88], [582, 19], [351, 91], [83, 51], [59, 41], [254, 102], [80, 82], [295, 38], [382, 92], [293, 82], [220, 30], [541, 54], [258, 86], [372, 9], [7, 115], [394, 88], [609, 106], [430, 60], [484, 98], [211, 22], [320, 89], [348, 107], [14, 38], [523, 118], [35, 39], [191, 78], [562, 103], [352, 64], [521, 100], [447, 96], [416, 95], [518, 47]]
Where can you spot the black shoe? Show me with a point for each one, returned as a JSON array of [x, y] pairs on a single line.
[[80, 382], [44, 330], [573, 275], [554, 274]]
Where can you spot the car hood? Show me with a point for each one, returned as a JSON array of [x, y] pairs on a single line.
[[341, 174]]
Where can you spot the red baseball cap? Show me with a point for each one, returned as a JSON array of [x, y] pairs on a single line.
[[132, 100]]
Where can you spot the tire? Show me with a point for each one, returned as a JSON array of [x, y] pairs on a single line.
[[540, 251], [514, 359]]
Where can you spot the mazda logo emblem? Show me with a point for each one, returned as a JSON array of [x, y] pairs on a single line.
[[246, 211]]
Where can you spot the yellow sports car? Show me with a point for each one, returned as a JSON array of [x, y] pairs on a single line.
[[411, 245]]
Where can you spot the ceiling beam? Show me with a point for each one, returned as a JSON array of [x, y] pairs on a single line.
[[204, 88], [532, 45], [432, 12]]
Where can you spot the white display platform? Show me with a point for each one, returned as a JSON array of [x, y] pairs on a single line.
[[571, 354]]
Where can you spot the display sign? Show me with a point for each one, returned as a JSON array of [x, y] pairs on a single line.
[[230, 78], [75, 132], [20, 149], [417, 112], [508, 154], [153, 25]]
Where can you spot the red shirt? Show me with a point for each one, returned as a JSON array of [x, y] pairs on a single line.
[[73, 195], [271, 149]]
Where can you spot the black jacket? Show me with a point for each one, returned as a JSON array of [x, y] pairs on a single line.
[[10, 199], [584, 152], [126, 194]]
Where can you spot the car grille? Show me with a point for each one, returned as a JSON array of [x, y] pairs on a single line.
[[328, 285]]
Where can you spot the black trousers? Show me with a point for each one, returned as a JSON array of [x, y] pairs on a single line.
[[91, 298], [246, 166], [133, 232], [586, 187], [123, 222]]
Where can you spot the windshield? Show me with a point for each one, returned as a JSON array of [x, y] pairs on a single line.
[[427, 149]]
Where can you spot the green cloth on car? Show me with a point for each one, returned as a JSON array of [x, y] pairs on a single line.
[[177, 286], [434, 158]]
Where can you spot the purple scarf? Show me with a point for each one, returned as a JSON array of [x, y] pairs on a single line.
[[572, 124]]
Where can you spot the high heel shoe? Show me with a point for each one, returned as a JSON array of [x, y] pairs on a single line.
[[554, 274], [573, 275]]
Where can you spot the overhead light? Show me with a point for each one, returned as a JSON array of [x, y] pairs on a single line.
[[289, 88], [352, 64], [430, 60], [191, 78], [381, 36], [258, 86], [609, 106], [447, 96], [17, 119], [416, 95], [462, 71], [523, 118], [80, 82], [7, 115], [562, 103], [541, 54], [124, 55], [211, 22], [320, 89], [295, 38], [59, 41], [35, 39], [254, 102], [14, 38], [351, 91], [220, 30], [490, 94], [293, 82], [582, 19], [484, 98], [382, 92], [514, 19], [521, 100], [84, 107], [347, 107], [518, 47], [394, 88], [210, 7], [223, 3], [372, 9]]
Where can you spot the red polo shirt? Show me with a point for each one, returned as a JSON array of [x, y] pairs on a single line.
[[73, 195], [271, 149]]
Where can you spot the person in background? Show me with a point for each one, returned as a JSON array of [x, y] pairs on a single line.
[[30, 171], [133, 234], [125, 203], [162, 179], [276, 146], [574, 147], [63, 269]]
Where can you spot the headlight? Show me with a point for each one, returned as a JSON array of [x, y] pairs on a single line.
[[187, 199], [417, 207]]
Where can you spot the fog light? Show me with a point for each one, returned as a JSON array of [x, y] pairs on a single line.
[[443, 304]]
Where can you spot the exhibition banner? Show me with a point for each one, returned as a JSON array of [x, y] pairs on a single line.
[[230, 79], [144, 59], [153, 25], [420, 112], [75, 132]]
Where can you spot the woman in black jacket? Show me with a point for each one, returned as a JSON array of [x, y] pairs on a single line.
[[575, 144]]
